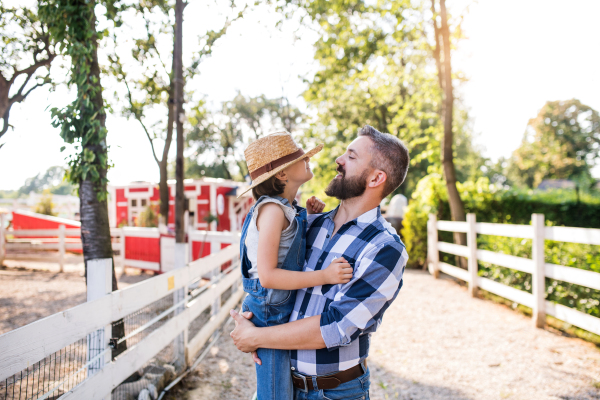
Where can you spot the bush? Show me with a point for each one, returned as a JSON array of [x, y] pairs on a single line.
[[516, 207], [491, 204]]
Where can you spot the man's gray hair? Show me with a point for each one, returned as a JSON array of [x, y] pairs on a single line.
[[390, 155]]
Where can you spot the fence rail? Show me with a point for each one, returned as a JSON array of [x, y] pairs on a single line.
[[34, 343], [60, 239], [536, 266]]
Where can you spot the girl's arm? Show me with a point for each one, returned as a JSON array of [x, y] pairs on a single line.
[[270, 222]]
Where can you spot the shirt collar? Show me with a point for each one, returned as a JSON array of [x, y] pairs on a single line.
[[362, 220]]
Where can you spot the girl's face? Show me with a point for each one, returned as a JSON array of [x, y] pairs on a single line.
[[299, 172]]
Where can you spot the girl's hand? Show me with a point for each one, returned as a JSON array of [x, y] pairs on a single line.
[[339, 271], [314, 205]]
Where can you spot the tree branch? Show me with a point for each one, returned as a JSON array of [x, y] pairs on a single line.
[[137, 116]]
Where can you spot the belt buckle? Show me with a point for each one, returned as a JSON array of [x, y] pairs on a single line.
[[305, 390]]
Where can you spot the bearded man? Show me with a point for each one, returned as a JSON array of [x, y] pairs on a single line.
[[330, 328]]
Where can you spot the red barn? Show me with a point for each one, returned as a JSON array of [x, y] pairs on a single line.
[[207, 196]]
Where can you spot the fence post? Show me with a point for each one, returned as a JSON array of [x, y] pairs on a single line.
[[99, 284], [538, 276], [2, 240], [178, 295], [215, 247], [472, 244], [432, 240], [122, 249], [61, 247]]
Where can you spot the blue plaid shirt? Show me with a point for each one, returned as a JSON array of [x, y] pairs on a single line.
[[349, 312]]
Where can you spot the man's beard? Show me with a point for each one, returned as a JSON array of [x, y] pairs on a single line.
[[347, 188]]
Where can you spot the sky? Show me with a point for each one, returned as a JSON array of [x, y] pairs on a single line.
[[517, 56]]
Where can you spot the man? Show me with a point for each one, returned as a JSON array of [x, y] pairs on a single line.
[[330, 327]]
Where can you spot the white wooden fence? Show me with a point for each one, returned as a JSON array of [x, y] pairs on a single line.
[[26, 346], [63, 243], [535, 266]]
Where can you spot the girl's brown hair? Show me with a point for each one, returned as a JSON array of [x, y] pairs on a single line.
[[271, 187]]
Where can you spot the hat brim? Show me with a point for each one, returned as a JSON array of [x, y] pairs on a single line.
[[269, 174]]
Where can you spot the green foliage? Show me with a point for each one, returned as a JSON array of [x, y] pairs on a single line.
[[219, 138], [562, 142], [147, 77], [514, 207], [53, 180], [72, 24], [216, 170], [26, 49], [376, 68], [45, 205], [9, 194], [148, 217]]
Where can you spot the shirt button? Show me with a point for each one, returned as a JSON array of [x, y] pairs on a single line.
[[293, 369], [327, 236]]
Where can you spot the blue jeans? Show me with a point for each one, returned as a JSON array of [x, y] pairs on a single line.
[[273, 376], [356, 389]]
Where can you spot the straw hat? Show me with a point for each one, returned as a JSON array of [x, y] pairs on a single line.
[[273, 153]]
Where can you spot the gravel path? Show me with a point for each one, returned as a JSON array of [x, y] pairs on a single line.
[[438, 343]]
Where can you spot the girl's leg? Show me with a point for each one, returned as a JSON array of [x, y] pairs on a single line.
[[273, 377]]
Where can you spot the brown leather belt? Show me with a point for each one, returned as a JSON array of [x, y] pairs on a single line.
[[304, 382]]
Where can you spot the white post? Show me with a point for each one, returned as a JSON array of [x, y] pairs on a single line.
[[180, 342], [122, 249], [61, 247], [215, 247], [538, 278], [472, 244], [432, 240], [213, 207], [99, 284], [2, 240]]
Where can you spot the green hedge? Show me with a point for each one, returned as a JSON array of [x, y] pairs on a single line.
[[501, 206], [560, 208]]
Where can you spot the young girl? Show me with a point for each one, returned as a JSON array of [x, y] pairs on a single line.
[[272, 250]]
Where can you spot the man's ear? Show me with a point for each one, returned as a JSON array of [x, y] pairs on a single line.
[[377, 178]]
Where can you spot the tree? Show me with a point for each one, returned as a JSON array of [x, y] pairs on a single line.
[[45, 205], [442, 57], [52, 180], [26, 51], [219, 138], [561, 142], [376, 68], [72, 24], [150, 92]]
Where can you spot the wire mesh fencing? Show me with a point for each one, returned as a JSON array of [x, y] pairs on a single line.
[[61, 368]]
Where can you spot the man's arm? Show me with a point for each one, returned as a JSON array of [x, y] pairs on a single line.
[[303, 334], [355, 309]]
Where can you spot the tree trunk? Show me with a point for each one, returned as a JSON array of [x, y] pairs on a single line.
[[95, 228], [457, 208], [163, 187], [178, 96]]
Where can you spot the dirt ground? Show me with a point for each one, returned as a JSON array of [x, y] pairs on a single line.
[[30, 290], [436, 342]]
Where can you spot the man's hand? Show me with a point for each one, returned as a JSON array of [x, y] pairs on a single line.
[[245, 333], [314, 205]]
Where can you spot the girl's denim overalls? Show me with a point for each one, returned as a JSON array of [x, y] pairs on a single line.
[[273, 307]]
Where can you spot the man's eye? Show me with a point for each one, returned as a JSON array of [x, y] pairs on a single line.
[[352, 158]]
